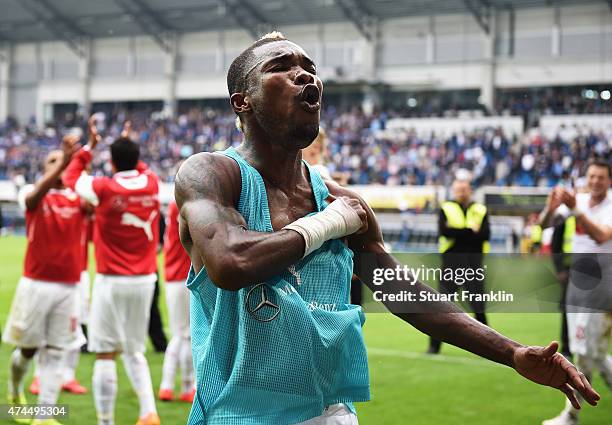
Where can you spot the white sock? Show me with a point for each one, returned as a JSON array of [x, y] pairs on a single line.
[[186, 362], [171, 360], [137, 370], [19, 368], [70, 364], [104, 384], [37, 363], [51, 367]]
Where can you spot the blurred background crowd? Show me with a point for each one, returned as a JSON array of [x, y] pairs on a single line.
[[357, 145]]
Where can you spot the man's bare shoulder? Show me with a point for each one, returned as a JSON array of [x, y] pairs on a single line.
[[336, 190], [207, 175]]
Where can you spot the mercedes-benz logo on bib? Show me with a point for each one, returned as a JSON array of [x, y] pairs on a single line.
[[258, 303]]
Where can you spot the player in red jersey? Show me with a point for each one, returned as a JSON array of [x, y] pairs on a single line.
[[43, 312], [73, 353], [125, 238], [178, 353], [71, 384]]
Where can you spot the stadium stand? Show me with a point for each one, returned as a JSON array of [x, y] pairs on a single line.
[[358, 145]]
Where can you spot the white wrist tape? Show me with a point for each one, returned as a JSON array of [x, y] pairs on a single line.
[[576, 212], [335, 221]]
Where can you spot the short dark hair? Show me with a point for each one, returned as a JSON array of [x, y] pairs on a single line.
[[600, 162], [125, 154], [236, 74]]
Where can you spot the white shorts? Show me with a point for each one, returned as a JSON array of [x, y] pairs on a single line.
[[120, 311], [79, 340], [42, 314], [589, 334], [84, 297], [177, 300], [336, 414]]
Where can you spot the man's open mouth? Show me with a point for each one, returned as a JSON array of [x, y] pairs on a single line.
[[310, 98]]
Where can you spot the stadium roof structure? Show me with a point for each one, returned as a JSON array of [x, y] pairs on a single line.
[[74, 20]]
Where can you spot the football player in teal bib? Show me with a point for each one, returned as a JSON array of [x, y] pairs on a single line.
[[273, 248]]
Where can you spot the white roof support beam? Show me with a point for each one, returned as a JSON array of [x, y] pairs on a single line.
[[247, 16], [362, 19], [58, 24], [481, 11], [149, 22]]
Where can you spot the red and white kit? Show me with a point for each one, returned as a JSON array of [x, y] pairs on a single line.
[[178, 353], [176, 260], [126, 234], [44, 308], [176, 269]]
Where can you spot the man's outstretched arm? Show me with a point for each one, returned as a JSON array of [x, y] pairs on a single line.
[[216, 236], [83, 183], [446, 322]]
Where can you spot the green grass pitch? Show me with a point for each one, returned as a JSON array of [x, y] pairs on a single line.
[[408, 387]]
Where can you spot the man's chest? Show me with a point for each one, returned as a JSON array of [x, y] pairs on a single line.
[[286, 208]]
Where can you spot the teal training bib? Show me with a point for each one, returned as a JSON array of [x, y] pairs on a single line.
[[277, 352]]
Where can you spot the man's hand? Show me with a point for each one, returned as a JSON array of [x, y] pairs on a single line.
[[545, 366], [94, 137], [127, 128], [549, 217], [554, 198], [356, 206], [70, 145], [569, 199]]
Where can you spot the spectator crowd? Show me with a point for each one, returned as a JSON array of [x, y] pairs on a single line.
[[357, 145]]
